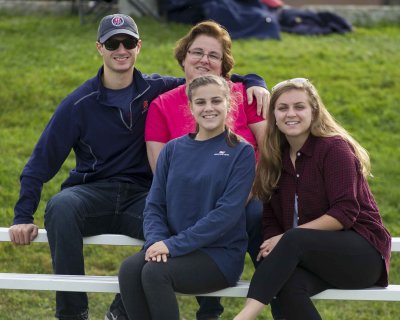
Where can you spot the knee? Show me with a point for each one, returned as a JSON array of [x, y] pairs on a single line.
[[62, 210], [125, 270], [131, 268], [292, 236], [154, 274]]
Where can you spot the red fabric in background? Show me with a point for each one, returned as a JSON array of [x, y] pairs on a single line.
[[273, 3]]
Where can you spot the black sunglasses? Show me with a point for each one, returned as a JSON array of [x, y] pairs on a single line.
[[113, 44]]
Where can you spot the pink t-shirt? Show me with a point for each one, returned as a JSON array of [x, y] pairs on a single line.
[[169, 115]]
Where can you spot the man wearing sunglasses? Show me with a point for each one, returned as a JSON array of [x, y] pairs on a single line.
[[103, 122]]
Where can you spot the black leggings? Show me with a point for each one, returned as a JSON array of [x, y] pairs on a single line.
[[148, 288], [306, 262]]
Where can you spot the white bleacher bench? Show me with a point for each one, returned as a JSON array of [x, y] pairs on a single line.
[[109, 284]]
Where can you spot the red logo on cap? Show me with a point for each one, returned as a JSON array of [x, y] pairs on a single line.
[[117, 21]]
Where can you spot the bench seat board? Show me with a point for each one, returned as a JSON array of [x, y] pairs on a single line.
[[109, 284]]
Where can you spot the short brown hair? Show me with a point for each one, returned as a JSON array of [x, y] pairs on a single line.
[[212, 29]]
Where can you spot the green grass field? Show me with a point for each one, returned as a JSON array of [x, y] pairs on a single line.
[[45, 58]]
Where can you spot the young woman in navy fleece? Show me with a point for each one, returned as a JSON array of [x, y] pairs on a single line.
[[194, 219], [321, 225]]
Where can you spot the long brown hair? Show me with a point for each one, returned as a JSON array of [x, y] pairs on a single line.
[[323, 125]]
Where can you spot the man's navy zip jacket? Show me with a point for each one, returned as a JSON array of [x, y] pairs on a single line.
[[107, 141]]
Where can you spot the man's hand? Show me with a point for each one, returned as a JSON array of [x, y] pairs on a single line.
[[23, 234], [262, 97]]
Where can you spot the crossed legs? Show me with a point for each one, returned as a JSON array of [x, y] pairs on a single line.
[[306, 262]]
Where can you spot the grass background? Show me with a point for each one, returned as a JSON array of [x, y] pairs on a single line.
[[43, 58]]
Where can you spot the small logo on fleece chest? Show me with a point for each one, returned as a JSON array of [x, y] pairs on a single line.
[[221, 153]]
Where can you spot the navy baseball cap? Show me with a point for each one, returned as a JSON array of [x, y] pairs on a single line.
[[116, 24]]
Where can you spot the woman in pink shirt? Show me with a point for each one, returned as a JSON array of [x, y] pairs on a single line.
[[204, 50], [322, 228]]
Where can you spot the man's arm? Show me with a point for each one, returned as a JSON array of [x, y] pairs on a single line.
[[166, 83], [50, 152], [29, 196], [249, 80], [255, 87]]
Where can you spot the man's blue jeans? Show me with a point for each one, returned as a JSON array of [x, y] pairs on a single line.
[[210, 307], [85, 210]]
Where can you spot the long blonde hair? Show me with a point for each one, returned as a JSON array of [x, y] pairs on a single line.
[[323, 125]]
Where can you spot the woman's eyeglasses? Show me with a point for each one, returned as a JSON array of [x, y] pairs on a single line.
[[294, 80], [113, 44], [199, 54]]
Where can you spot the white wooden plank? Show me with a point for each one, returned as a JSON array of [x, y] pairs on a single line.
[[59, 282], [104, 239], [391, 293], [110, 284], [396, 244], [117, 239]]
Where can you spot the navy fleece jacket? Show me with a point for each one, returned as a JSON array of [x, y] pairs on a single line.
[[198, 198]]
